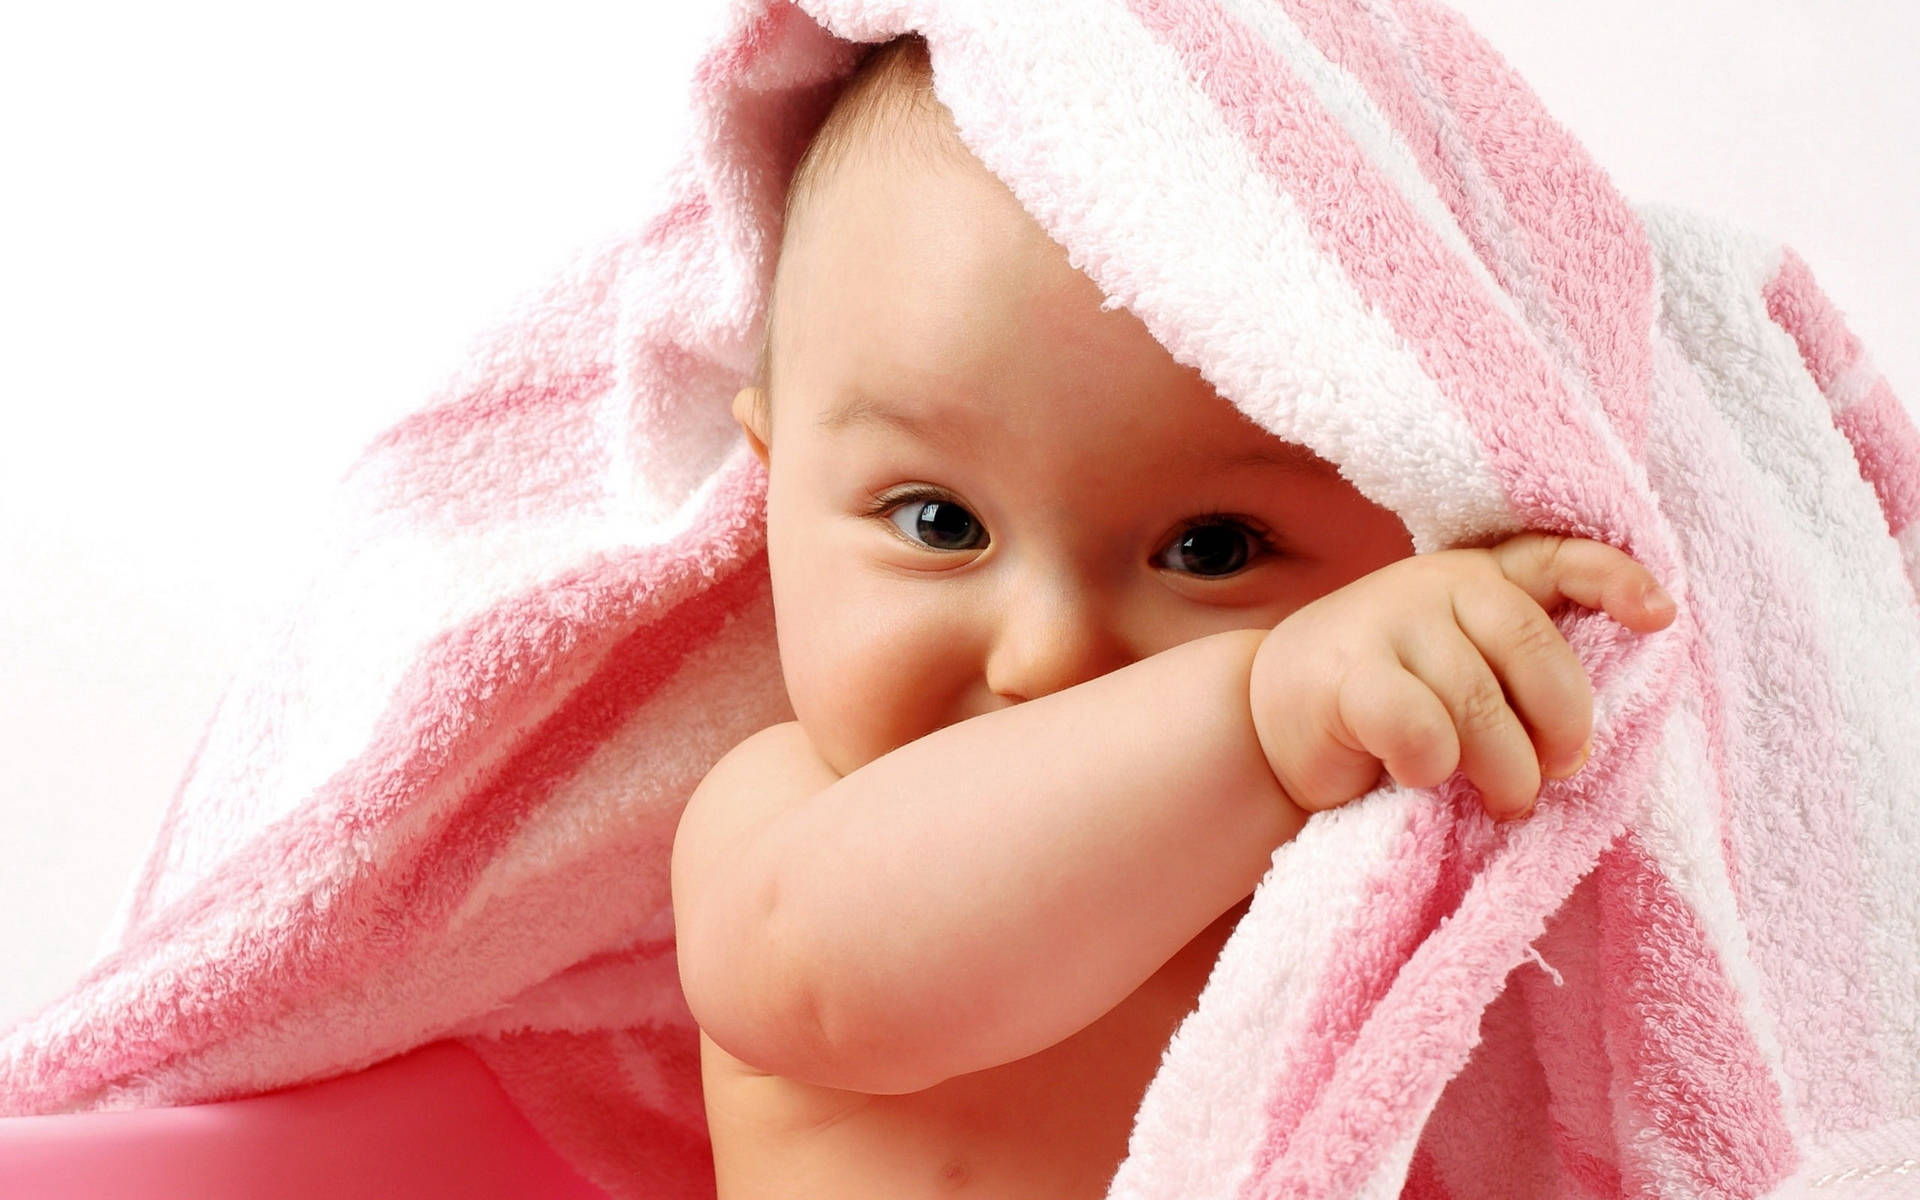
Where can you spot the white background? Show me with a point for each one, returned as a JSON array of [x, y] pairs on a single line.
[[236, 243]]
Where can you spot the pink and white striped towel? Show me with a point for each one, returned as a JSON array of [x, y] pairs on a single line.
[[439, 804]]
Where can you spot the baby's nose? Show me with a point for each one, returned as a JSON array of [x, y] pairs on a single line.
[[1051, 641]]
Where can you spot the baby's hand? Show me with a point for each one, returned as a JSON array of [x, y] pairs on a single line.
[[1443, 661]]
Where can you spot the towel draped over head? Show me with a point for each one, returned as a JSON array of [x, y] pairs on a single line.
[[438, 803]]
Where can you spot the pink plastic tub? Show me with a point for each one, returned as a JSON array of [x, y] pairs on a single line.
[[431, 1123]]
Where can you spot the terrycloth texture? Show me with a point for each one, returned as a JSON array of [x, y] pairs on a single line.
[[440, 804]]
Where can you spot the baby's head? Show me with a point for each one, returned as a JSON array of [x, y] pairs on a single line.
[[982, 487]]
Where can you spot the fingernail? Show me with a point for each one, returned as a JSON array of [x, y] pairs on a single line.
[[1563, 769], [1518, 815], [1656, 597]]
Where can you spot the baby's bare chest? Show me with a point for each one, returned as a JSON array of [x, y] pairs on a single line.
[[1052, 1125]]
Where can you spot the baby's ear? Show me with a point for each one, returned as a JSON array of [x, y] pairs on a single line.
[[750, 410]]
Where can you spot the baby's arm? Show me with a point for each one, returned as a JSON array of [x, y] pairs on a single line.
[[987, 891], [979, 894]]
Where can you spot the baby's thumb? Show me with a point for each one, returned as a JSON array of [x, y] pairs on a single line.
[[1330, 761]]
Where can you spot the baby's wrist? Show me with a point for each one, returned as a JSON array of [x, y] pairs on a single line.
[[1262, 665]]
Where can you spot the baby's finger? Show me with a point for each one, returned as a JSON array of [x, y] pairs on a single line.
[[1545, 683], [1496, 753], [1593, 574], [1396, 718]]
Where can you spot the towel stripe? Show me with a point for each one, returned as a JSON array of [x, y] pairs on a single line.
[[1691, 1067], [1405, 902], [1577, 231], [576, 1090], [1881, 430], [1763, 686]]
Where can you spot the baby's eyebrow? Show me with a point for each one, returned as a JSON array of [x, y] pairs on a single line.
[[862, 410], [1285, 455]]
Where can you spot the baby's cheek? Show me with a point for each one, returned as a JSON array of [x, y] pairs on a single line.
[[880, 692], [828, 671]]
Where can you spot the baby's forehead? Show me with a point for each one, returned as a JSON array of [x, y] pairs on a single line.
[[1175, 433]]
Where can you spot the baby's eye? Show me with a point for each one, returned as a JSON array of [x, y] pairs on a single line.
[[937, 523], [1213, 548]]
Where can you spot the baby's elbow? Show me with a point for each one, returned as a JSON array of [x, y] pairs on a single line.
[[753, 975], [853, 1054], [781, 1025], [740, 995], [861, 1042]]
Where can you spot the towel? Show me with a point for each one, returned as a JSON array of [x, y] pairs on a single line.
[[438, 802]]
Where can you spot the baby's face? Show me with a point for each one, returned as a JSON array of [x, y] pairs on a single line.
[[984, 489]]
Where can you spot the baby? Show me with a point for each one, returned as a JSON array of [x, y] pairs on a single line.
[[1073, 646]]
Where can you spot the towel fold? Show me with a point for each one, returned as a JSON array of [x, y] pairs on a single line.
[[439, 802]]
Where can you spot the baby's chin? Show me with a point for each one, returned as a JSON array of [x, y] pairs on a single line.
[[835, 748], [846, 751]]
